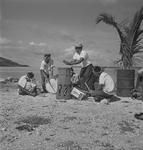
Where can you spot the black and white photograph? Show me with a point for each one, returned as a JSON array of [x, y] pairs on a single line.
[[71, 74]]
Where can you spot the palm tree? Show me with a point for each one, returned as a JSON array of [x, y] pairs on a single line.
[[130, 34]]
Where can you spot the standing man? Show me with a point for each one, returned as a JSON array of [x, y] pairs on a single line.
[[46, 70], [105, 86], [81, 57]]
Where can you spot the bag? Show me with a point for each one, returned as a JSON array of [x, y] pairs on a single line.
[[51, 86]]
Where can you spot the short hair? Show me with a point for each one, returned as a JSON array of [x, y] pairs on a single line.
[[97, 69], [30, 74], [47, 55]]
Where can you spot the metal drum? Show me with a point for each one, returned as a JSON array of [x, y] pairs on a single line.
[[125, 82], [64, 85]]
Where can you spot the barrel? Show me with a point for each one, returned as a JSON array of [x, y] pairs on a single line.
[[64, 85], [125, 82]]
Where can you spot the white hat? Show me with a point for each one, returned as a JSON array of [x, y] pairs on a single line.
[[79, 45]]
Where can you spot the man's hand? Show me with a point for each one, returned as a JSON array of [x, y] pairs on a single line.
[[66, 62], [47, 75], [92, 92]]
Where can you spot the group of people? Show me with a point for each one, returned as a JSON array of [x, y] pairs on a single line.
[[27, 83], [91, 79]]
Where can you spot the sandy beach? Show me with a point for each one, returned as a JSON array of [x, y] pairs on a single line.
[[45, 123], [41, 36]]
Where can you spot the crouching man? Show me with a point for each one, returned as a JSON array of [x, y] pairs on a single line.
[[27, 85], [105, 86]]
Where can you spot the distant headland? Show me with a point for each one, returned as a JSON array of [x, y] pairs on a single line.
[[4, 62]]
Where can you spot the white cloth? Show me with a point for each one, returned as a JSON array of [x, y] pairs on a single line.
[[106, 80], [28, 85], [51, 86], [140, 71], [22, 81], [84, 55], [47, 67]]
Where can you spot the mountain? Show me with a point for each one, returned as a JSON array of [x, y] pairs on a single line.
[[4, 62]]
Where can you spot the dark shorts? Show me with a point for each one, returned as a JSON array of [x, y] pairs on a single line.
[[22, 91], [87, 76]]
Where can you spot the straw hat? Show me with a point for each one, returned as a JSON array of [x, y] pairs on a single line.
[[79, 45]]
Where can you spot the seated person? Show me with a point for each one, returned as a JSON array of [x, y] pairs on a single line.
[[105, 86], [26, 85]]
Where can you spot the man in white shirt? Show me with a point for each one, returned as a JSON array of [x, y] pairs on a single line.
[[105, 86], [27, 85], [46, 70], [81, 57]]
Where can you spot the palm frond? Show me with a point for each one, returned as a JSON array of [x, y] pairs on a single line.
[[135, 31], [138, 60], [131, 36], [109, 19]]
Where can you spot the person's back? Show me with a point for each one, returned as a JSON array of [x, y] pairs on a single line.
[[106, 80], [104, 87], [22, 81]]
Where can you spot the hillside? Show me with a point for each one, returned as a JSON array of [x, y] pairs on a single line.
[[4, 62]]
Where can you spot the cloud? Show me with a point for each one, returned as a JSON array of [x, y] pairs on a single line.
[[4, 41], [37, 44], [108, 1], [20, 42], [0, 16], [99, 56], [9, 44], [42, 44], [69, 51], [66, 35]]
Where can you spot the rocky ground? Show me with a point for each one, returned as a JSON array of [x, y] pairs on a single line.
[[45, 123]]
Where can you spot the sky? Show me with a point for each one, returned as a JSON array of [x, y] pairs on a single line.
[[30, 28]]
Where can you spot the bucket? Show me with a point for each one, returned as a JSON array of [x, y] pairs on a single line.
[[125, 82], [64, 85]]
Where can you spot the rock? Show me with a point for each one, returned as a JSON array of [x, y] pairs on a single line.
[[2, 80], [11, 79]]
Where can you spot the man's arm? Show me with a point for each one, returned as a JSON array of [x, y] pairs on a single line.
[[42, 68], [73, 62], [45, 73]]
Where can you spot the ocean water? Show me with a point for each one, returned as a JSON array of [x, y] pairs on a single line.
[[19, 71]]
